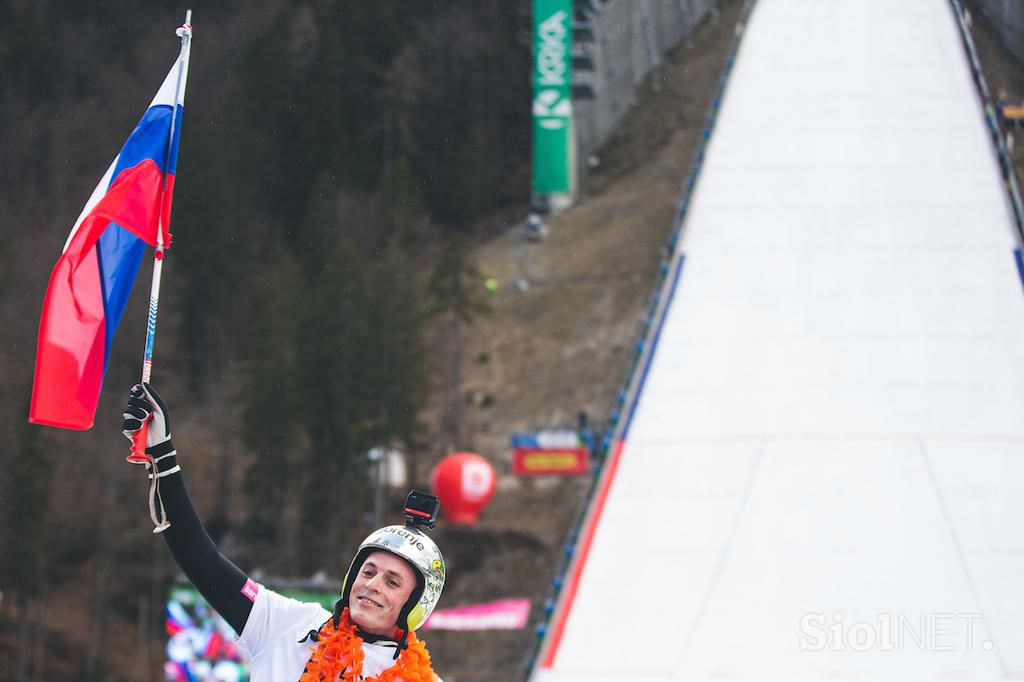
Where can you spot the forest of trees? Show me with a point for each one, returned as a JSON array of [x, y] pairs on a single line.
[[336, 157]]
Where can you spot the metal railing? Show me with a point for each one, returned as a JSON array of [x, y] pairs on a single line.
[[995, 129]]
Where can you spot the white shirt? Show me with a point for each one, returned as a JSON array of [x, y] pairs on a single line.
[[271, 636]]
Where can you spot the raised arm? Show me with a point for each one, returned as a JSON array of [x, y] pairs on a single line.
[[220, 582]]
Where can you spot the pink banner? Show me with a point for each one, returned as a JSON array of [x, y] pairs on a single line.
[[504, 614]]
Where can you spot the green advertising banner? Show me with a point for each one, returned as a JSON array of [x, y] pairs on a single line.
[[552, 96]]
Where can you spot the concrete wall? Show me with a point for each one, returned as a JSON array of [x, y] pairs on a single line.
[[1008, 16], [630, 39]]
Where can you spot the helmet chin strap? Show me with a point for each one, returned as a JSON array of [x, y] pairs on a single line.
[[403, 643], [369, 637], [402, 622], [339, 606]]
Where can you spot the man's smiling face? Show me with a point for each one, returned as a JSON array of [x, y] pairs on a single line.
[[380, 590]]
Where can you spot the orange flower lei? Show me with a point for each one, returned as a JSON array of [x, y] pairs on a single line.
[[341, 651]]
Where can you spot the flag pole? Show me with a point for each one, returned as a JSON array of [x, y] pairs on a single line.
[[138, 454], [185, 32]]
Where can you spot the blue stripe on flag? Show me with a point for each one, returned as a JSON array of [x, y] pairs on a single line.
[[149, 140], [119, 253]]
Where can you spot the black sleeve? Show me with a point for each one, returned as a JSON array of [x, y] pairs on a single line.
[[217, 579]]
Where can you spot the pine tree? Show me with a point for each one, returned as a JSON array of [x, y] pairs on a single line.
[[396, 359], [274, 394], [23, 566], [333, 345]]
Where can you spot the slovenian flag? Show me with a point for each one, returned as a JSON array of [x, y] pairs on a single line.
[[89, 286]]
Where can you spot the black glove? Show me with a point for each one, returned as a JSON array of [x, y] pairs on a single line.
[[146, 405]]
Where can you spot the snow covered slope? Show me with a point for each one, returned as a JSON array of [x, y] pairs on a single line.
[[823, 477]]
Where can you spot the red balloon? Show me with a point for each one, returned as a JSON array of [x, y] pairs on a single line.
[[464, 482]]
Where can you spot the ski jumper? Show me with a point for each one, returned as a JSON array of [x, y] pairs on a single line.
[[274, 630]]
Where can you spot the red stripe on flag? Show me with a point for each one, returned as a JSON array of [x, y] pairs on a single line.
[[71, 349], [134, 201], [72, 331]]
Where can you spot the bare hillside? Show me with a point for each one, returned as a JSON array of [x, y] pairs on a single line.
[[561, 345]]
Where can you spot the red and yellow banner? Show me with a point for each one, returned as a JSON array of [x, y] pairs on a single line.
[[544, 461]]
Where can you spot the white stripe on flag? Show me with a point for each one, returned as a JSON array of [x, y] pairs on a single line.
[[97, 194], [165, 95]]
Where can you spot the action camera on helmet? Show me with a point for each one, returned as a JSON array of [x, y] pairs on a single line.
[[422, 508]]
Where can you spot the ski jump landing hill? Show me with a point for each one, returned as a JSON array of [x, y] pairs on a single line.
[[822, 476]]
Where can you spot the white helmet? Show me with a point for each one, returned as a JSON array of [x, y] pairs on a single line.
[[413, 545]]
